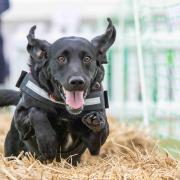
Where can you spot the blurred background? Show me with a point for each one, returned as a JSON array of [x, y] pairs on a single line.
[[143, 73]]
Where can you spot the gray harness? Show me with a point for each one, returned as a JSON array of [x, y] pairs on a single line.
[[96, 100]]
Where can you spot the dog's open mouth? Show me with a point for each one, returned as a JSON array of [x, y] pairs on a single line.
[[74, 100]]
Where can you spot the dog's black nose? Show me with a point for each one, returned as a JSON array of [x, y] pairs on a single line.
[[76, 81]]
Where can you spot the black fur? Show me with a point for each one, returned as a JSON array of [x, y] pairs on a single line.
[[43, 130], [9, 97]]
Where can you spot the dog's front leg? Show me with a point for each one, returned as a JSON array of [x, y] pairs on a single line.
[[34, 121], [99, 131]]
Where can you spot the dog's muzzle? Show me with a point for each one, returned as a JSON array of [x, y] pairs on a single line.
[[74, 100]]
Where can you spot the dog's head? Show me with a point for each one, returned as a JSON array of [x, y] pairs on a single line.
[[68, 67]]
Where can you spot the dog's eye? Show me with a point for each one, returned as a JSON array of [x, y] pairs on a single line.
[[87, 60], [61, 59]]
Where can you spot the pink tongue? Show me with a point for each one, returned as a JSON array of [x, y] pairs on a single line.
[[74, 99]]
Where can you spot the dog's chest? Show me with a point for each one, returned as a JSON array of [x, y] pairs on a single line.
[[68, 142]]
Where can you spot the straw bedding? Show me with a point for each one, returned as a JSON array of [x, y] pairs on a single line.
[[129, 153]]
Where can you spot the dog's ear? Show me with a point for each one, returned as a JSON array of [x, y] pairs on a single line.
[[103, 42], [37, 48]]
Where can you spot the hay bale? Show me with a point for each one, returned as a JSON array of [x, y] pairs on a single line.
[[129, 153]]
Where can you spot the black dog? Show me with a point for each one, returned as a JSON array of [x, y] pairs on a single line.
[[59, 121]]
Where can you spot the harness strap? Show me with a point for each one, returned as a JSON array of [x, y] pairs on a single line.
[[96, 100]]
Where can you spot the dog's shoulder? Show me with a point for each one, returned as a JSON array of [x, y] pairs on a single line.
[[28, 101]]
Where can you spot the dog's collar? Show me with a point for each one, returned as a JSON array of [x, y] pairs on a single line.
[[96, 100]]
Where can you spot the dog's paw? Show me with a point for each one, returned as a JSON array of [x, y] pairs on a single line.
[[94, 121], [47, 145]]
